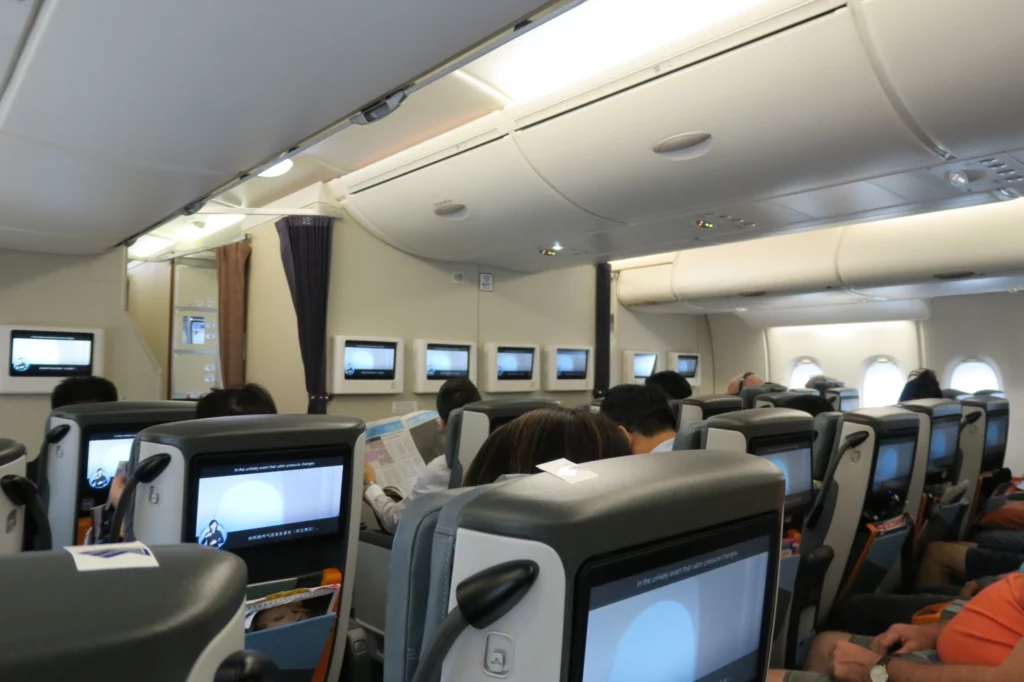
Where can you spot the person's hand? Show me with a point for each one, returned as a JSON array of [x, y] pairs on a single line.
[[970, 589], [369, 474], [852, 663], [116, 488], [911, 638]]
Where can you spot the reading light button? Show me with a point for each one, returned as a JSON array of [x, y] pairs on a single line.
[[498, 654]]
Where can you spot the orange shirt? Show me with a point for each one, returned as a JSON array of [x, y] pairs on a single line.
[[988, 628]]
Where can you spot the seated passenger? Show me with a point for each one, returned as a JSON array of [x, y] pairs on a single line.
[[453, 394], [644, 417], [545, 435], [954, 563], [81, 390], [922, 384], [673, 384], [984, 642], [745, 380], [235, 402]]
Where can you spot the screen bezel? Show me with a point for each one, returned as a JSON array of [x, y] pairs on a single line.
[[896, 437], [89, 433], [586, 363], [276, 560], [944, 473], [86, 371], [515, 349], [630, 562], [654, 367], [770, 445], [993, 457], [696, 365], [448, 347], [369, 343]]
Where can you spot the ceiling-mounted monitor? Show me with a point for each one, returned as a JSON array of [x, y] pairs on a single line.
[[511, 368], [435, 362], [568, 368], [637, 365], [687, 364], [364, 365], [39, 358]]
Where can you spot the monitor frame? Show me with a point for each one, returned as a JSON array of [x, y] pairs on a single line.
[[787, 443], [491, 383], [628, 359], [266, 561], [551, 381], [342, 385], [673, 362], [89, 434], [990, 456], [945, 474], [636, 560], [426, 385], [877, 497], [29, 385]]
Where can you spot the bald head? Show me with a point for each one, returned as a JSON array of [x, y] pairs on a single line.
[[746, 380]]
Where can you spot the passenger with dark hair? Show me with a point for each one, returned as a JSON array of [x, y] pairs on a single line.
[[922, 384], [80, 390], [643, 415], [235, 402], [545, 435], [453, 394], [673, 384]]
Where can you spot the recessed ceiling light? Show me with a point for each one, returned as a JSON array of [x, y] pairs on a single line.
[[958, 178], [278, 169], [557, 246], [704, 224], [147, 245], [548, 252]]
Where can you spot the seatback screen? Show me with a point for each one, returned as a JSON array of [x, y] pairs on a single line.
[[50, 354], [242, 503], [107, 453], [894, 464], [515, 364], [572, 363], [943, 447], [370, 360], [996, 429], [445, 361], [644, 365], [795, 464], [701, 617], [849, 404], [687, 365]]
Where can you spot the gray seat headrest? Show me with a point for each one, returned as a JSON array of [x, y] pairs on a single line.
[[692, 437]]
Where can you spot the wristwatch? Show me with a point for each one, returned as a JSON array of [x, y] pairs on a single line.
[[880, 673]]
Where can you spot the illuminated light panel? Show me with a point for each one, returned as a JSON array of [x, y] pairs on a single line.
[[595, 37], [278, 169], [148, 245]]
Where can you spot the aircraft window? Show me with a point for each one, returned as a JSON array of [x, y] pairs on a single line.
[[883, 383], [802, 373], [973, 376]]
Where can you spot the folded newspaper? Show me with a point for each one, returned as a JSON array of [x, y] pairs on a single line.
[[399, 448], [284, 608]]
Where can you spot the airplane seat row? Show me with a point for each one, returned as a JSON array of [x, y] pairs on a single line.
[[623, 554], [24, 520]]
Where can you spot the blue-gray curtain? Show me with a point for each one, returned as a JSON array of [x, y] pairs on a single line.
[[306, 253]]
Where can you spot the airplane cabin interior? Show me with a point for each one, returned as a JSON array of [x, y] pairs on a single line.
[[522, 340]]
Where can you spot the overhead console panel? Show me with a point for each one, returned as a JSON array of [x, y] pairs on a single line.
[[792, 111], [964, 93]]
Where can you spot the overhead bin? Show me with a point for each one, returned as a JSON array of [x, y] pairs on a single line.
[[462, 196], [646, 285], [797, 110], [935, 247], [964, 93]]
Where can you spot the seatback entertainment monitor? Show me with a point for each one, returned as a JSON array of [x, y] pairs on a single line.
[[107, 453], [894, 465], [942, 451], [794, 459]]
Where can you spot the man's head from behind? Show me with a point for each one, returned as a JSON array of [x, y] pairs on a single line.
[[745, 380], [235, 402], [672, 384], [79, 390], [453, 394], [643, 414]]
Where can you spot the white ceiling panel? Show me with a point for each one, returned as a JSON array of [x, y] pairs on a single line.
[[14, 18]]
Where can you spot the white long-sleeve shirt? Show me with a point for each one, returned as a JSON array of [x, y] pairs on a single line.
[[434, 478]]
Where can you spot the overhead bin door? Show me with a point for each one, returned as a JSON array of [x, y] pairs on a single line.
[[482, 201], [956, 68], [795, 111]]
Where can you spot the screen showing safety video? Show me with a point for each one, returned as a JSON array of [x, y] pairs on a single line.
[[370, 360], [697, 620], [447, 361], [644, 365], [893, 465], [572, 363], [241, 505], [107, 453], [795, 464], [687, 365], [995, 432], [50, 354], [515, 364], [942, 450]]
